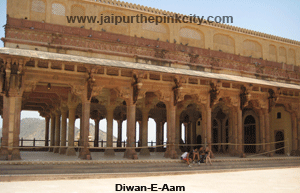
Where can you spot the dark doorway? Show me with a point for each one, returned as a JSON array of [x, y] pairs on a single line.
[[249, 134], [279, 137]]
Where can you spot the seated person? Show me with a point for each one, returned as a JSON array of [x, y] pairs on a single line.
[[185, 156], [196, 154], [202, 154], [208, 154]]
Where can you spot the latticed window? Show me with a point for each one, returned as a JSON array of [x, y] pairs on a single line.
[[189, 33], [58, 9], [153, 27], [77, 11], [38, 6]]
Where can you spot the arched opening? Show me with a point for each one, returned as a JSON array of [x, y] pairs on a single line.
[[279, 136], [249, 134]]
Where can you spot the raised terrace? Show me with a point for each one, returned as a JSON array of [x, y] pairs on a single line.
[[233, 90]]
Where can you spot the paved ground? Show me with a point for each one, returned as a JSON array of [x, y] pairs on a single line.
[[255, 181]]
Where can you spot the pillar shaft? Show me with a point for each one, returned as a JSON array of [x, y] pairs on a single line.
[[84, 151], [131, 112], [52, 137], [109, 131], [267, 129], [208, 126], [144, 132], [298, 126], [240, 130], [119, 140], [262, 130], [96, 140], [63, 138], [171, 119], [71, 149], [11, 127], [47, 122], [57, 132], [295, 133]]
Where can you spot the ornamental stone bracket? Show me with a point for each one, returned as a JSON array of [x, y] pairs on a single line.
[[137, 85], [11, 74], [214, 91], [177, 89], [273, 98], [245, 95]]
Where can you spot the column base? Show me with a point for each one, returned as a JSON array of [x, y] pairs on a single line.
[[269, 154], [234, 153], [15, 154], [178, 150], [3, 154], [295, 153], [62, 150], [56, 150], [130, 154], [50, 149], [70, 151], [109, 152], [145, 152], [85, 154], [171, 153]]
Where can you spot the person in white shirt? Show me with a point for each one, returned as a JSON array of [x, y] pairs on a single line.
[[185, 156]]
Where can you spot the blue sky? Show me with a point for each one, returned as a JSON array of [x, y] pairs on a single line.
[[280, 18]]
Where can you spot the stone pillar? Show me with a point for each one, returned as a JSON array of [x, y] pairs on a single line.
[[47, 123], [234, 131], [298, 125], [144, 132], [262, 130], [185, 133], [140, 140], [96, 140], [158, 133], [171, 119], [208, 126], [57, 132], [84, 152], [71, 149], [162, 134], [223, 130], [230, 132], [240, 131], [63, 138], [220, 128], [267, 131], [194, 133], [11, 128], [52, 137], [294, 133], [119, 140], [177, 132], [109, 131], [189, 133], [131, 110]]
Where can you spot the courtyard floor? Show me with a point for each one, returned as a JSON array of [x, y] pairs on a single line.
[[266, 181]]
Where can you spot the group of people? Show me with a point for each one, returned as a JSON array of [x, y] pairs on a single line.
[[202, 154]]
